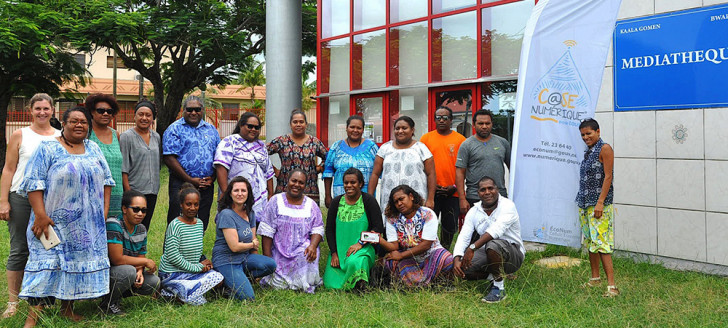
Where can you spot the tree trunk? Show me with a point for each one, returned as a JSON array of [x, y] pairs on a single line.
[[168, 113], [4, 102]]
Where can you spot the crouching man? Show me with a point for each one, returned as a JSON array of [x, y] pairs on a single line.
[[489, 243]]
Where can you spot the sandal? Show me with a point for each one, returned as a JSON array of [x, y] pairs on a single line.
[[11, 310], [612, 291], [593, 282]]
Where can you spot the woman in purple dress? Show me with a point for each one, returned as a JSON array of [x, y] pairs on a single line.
[[292, 228]]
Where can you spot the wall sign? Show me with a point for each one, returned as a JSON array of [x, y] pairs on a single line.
[[671, 61]]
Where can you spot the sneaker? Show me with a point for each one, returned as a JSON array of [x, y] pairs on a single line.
[[494, 296], [113, 309]]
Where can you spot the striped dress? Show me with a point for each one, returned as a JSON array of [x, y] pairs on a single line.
[[180, 269]]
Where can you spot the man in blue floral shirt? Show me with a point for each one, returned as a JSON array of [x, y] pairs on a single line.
[[189, 147]]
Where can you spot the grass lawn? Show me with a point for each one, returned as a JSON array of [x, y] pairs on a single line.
[[651, 296]]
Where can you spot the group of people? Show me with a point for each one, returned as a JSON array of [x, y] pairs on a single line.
[[96, 191]]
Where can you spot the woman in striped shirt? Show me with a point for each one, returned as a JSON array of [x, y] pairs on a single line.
[[182, 273]]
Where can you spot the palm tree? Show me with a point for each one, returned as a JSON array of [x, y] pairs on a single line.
[[251, 79]]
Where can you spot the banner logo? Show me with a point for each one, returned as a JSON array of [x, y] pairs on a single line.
[[561, 96]]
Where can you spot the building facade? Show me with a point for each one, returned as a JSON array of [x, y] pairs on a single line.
[[385, 58]]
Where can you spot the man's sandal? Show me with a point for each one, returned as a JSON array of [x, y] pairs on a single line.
[[11, 310], [593, 282], [612, 291]]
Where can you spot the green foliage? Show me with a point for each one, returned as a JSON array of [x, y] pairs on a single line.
[[34, 54], [250, 79], [178, 45]]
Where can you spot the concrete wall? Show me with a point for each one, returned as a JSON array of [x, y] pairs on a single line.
[[670, 196]]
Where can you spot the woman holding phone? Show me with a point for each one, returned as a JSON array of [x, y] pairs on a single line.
[[350, 215], [68, 184]]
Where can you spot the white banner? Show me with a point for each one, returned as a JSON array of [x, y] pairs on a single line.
[[565, 46]]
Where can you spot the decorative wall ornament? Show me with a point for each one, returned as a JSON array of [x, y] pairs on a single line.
[[679, 134]]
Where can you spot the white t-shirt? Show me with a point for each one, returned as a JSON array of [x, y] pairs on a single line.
[[403, 166]]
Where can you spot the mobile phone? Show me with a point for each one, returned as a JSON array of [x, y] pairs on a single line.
[[371, 237], [52, 240]]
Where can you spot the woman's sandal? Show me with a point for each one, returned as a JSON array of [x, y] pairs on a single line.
[[593, 282], [11, 310], [612, 291]]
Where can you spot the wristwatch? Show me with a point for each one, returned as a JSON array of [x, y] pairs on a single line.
[[472, 246]]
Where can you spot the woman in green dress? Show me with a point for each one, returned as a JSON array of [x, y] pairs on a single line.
[[350, 215]]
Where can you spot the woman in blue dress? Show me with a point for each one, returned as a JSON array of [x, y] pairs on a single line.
[[354, 151], [68, 184]]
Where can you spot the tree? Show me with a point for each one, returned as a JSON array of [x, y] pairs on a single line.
[[251, 79], [34, 55], [180, 45]]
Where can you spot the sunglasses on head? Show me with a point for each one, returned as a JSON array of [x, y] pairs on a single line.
[[193, 109], [137, 209], [253, 126], [102, 110], [442, 117]]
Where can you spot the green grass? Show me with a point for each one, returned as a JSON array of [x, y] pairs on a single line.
[[540, 297]]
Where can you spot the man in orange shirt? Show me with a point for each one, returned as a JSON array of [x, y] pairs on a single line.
[[444, 144]]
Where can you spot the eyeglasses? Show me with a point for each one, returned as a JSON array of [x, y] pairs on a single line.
[[137, 209], [102, 110], [442, 117], [253, 126], [193, 109], [74, 123]]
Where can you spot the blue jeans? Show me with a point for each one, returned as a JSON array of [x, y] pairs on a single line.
[[236, 278]]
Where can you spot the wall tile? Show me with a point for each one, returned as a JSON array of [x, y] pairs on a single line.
[[606, 126], [713, 2], [663, 6], [681, 234], [635, 228], [636, 8], [716, 225], [605, 103], [680, 134], [681, 184], [634, 181], [716, 186], [716, 134], [636, 136]]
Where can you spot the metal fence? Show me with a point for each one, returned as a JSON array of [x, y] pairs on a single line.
[[224, 119]]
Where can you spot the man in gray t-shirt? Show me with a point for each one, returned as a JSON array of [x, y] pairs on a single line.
[[482, 154]]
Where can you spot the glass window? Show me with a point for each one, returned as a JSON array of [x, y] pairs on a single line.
[[335, 65], [369, 60], [372, 110], [409, 102], [402, 10], [454, 47], [373, 14], [502, 35], [460, 101], [335, 112], [441, 6], [500, 98], [408, 54], [334, 18]]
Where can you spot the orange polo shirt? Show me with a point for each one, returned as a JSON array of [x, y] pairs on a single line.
[[444, 150]]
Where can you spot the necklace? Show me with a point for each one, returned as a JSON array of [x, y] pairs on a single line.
[[349, 144]]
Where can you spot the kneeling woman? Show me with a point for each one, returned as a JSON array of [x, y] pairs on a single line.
[[182, 273], [235, 253], [292, 229], [127, 240], [349, 215], [415, 254]]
